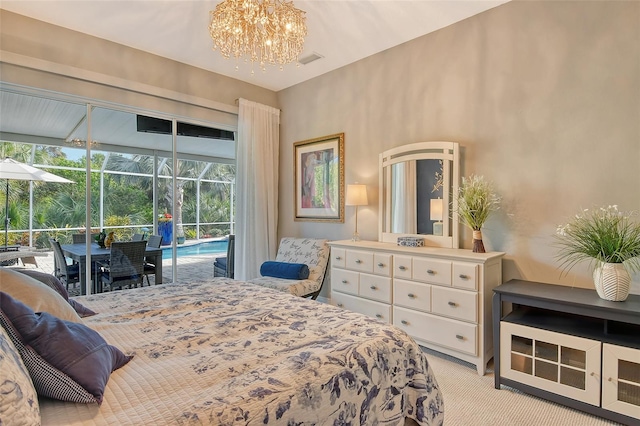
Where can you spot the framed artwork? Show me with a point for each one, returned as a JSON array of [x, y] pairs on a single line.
[[319, 179]]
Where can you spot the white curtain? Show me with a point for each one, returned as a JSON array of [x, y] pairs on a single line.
[[256, 187]]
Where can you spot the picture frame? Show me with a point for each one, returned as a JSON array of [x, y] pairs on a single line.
[[319, 179]]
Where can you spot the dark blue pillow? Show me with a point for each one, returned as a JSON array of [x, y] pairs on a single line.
[[290, 271], [66, 360]]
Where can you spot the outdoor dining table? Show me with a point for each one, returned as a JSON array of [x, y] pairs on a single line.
[[78, 253]]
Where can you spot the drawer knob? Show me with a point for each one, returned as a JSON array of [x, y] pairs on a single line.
[[411, 296], [464, 277], [380, 264], [459, 337], [338, 258], [358, 261], [378, 316], [454, 304], [373, 287], [402, 268], [405, 322], [431, 272], [344, 281]]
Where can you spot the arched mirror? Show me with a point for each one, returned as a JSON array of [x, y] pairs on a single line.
[[418, 184]]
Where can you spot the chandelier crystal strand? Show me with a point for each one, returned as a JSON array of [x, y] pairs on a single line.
[[267, 32]]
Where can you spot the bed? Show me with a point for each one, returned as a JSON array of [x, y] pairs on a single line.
[[226, 352]]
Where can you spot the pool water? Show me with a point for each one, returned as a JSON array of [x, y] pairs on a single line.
[[212, 247]]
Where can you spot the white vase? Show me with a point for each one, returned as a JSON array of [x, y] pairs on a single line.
[[612, 281]]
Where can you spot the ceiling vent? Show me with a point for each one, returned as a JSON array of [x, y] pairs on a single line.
[[308, 59]]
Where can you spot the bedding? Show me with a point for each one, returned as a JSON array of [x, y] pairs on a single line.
[[226, 352]]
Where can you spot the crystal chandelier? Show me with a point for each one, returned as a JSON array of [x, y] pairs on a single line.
[[263, 31]]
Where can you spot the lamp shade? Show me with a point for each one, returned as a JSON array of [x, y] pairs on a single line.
[[356, 195], [436, 209]]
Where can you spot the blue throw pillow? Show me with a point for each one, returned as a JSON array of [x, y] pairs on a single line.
[[290, 271], [66, 360]]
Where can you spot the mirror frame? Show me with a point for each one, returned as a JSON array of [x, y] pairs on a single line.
[[449, 152]]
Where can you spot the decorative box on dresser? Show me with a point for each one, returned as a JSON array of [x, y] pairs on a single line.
[[439, 296]]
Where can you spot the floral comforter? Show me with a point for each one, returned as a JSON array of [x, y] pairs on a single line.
[[226, 352]]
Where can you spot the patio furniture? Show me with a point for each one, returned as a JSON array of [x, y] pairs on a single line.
[[125, 267], [155, 241], [67, 274], [78, 252], [223, 266], [137, 237], [308, 251]]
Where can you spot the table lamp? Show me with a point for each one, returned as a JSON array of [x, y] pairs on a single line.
[[356, 196], [435, 214]]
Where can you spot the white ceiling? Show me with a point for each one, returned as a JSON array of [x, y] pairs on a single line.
[[342, 31]]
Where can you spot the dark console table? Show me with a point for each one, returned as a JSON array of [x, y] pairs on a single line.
[[569, 346]]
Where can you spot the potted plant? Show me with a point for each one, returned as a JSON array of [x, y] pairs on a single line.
[[610, 241], [476, 202]]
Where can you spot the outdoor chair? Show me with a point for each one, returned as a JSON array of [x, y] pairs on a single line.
[[81, 238], [154, 241], [124, 268], [67, 274], [223, 266], [137, 237], [308, 251]]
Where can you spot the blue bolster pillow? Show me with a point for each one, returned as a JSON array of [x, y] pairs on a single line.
[[290, 271]]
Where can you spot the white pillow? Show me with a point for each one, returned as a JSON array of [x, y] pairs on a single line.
[[36, 295]]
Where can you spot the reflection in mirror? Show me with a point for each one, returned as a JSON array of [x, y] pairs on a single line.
[[417, 186]]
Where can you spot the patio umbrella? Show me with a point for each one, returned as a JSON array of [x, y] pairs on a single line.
[[14, 170]]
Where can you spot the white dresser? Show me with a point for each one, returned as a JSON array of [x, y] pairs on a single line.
[[439, 296]]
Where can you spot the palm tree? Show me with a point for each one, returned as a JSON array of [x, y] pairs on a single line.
[[186, 169]]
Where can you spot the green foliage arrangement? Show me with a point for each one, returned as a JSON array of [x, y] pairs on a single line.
[[600, 235], [476, 202]]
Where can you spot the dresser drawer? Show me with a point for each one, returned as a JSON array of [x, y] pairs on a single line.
[[412, 295], [465, 275], [359, 261], [454, 303], [382, 264], [337, 257], [375, 287], [446, 332], [369, 308], [432, 271], [345, 281], [402, 267]]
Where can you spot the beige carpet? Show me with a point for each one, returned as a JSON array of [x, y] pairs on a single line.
[[472, 400]]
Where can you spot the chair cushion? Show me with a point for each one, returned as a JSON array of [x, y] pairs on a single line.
[[298, 288], [286, 270], [66, 360], [221, 262], [310, 251]]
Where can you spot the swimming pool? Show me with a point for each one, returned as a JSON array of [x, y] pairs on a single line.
[[211, 247]]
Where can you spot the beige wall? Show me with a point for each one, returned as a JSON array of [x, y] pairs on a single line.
[[544, 98]]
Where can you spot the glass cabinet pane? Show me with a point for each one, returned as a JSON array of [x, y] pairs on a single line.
[[573, 378], [522, 345], [521, 363], [573, 357], [546, 370], [629, 393], [629, 371], [546, 351]]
